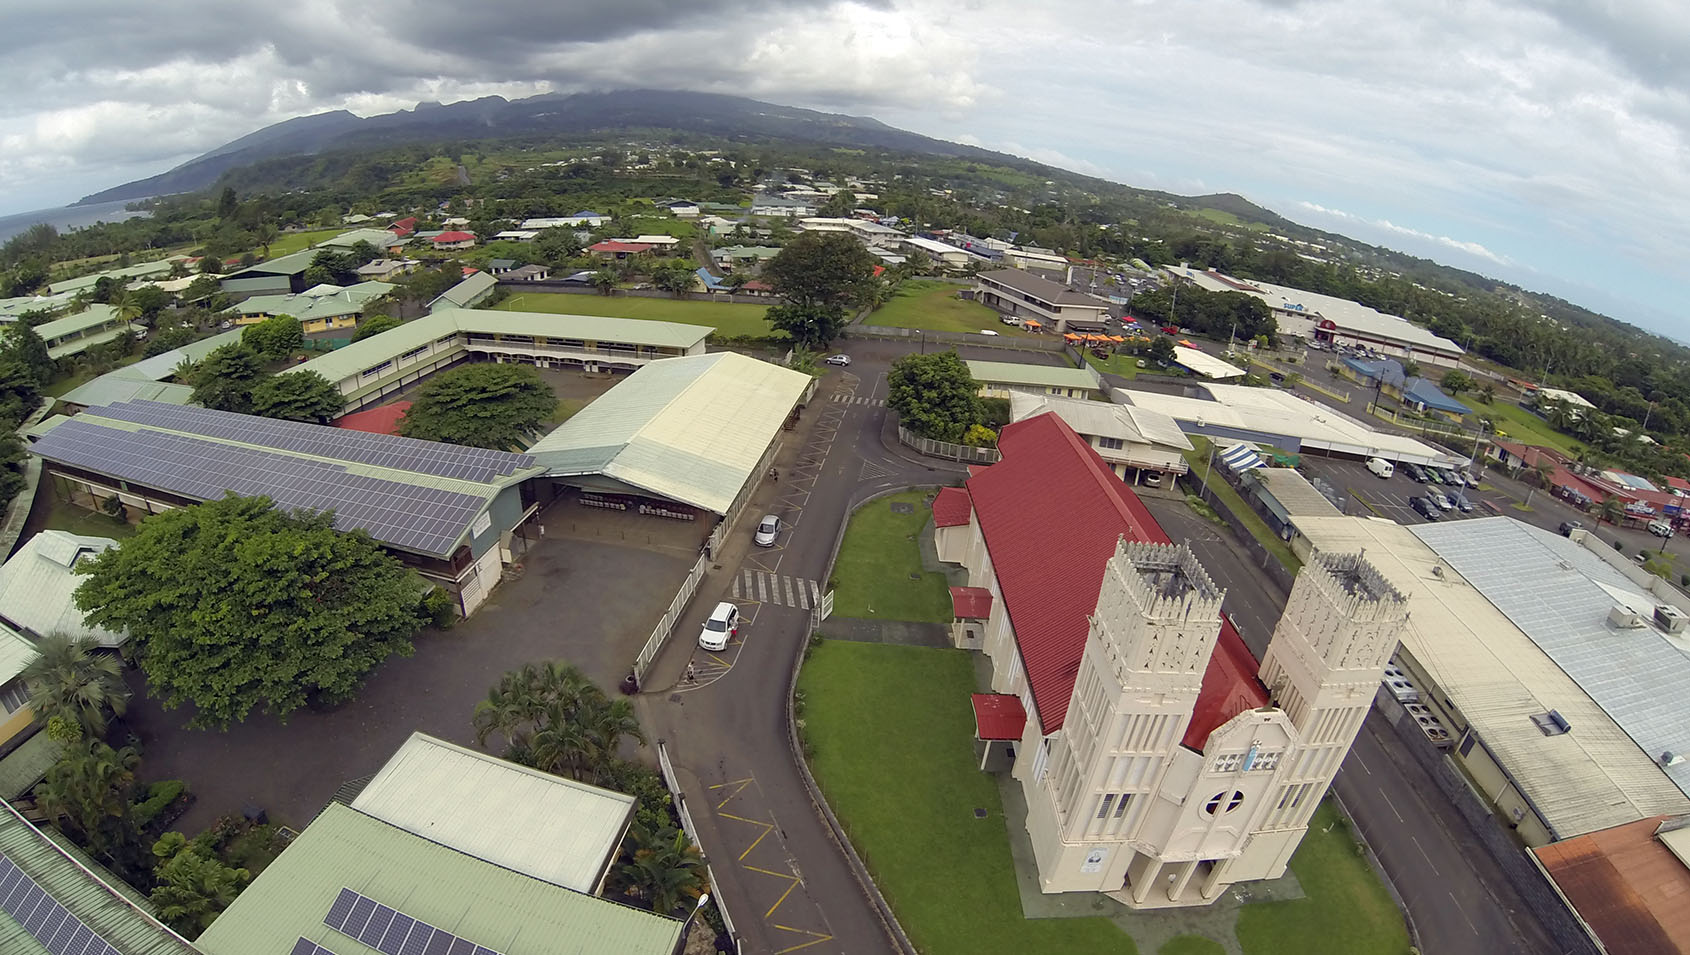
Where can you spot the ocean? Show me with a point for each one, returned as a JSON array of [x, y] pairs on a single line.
[[67, 217]]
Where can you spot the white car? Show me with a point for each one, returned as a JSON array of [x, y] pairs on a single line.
[[1011, 320], [988, 332], [768, 529], [1380, 467], [842, 360], [722, 626]]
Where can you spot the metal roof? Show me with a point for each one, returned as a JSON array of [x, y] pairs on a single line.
[[1205, 364], [1560, 594], [38, 584], [290, 264], [91, 317], [1103, 419], [112, 388], [82, 888], [690, 429], [1497, 678], [475, 899], [322, 301], [1041, 376], [554, 829], [157, 267], [467, 291], [15, 653], [380, 238], [1044, 289], [1293, 494], [162, 366]]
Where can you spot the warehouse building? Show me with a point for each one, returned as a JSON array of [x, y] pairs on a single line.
[[369, 370], [448, 850], [451, 513], [688, 437]]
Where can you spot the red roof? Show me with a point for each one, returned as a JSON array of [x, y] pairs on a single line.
[[610, 245], [951, 508], [756, 286], [382, 420], [1048, 550], [1626, 885], [403, 227], [1677, 483], [971, 603], [998, 716], [470, 270], [453, 237]]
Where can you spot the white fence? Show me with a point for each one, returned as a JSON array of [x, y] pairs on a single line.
[[945, 449], [666, 625], [691, 829]]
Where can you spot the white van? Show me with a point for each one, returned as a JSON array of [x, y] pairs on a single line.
[[1381, 467]]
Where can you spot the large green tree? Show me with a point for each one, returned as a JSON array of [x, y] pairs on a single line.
[[297, 396], [484, 406], [20, 391], [372, 325], [934, 395], [275, 338], [821, 277], [71, 681], [224, 379], [193, 886], [233, 605], [24, 345]]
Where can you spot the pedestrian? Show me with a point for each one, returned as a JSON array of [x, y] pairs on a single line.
[[692, 673]]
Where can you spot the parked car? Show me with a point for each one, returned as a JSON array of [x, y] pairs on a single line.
[[1438, 497], [722, 626], [1380, 467], [1567, 527], [1425, 507], [988, 333], [1010, 320], [767, 530], [1660, 528], [1416, 472], [1436, 475], [1462, 503], [841, 360]]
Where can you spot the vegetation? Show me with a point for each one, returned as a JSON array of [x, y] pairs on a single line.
[[88, 795], [193, 885], [934, 395], [553, 717], [879, 574], [372, 325], [74, 688], [1199, 460], [298, 396], [484, 405], [233, 605], [224, 380], [275, 338], [1221, 315], [728, 319], [821, 277], [665, 869], [933, 305]]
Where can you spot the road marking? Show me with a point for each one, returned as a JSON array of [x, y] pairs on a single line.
[[1387, 797], [786, 584], [782, 898], [739, 785], [1423, 854], [1463, 912], [1362, 763], [819, 938], [779, 590]]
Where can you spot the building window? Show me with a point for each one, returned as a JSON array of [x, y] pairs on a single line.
[[14, 696], [1121, 806], [1228, 762], [1111, 444], [1265, 761], [1230, 800], [1103, 806]]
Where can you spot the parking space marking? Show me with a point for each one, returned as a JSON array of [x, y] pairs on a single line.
[[791, 877]]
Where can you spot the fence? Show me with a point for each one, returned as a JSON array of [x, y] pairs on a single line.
[[944, 449], [1009, 343], [666, 624], [687, 825]]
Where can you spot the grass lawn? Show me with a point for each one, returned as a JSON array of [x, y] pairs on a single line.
[[290, 242], [1198, 458], [1521, 425], [880, 552], [566, 409], [923, 303], [729, 320], [1121, 364], [1347, 909], [1191, 945], [892, 734]]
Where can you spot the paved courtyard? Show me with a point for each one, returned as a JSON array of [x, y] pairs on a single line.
[[589, 601]]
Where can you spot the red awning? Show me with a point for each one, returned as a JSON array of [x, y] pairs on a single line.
[[971, 603], [998, 716]]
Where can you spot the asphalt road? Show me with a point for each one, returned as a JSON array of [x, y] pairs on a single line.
[[1458, 898]]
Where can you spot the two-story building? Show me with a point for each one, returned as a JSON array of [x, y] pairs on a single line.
[[1141, 446], [75, 334], [1003, 379], [321, 308], [1014, 292]]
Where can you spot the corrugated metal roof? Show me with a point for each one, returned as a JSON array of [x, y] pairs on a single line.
[[158, 267], [91, 317], [77, 346], [1103, 419], [554, 829], [85, 890], [15, 653], [323, 301], [112, 388], [38, 584], [1498, 679], [1626, 885], [1042, 376], [1205, 364], [951, 507], [690, 429], [491, 906], [1559, 594], [465, 292], [1294, 493], [162, 366]]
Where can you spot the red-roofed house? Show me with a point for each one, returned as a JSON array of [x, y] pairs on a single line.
[[403, 227], [612, 249], [453, 240], [1154, 766]]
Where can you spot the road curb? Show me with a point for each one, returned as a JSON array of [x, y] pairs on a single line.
[[1378, 868]]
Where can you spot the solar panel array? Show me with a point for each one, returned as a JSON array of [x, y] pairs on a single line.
[[381, 450], [391, 931], [44, 918], [421, 519], [307, 947]]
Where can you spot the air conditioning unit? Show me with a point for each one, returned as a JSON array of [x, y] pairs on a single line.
[[1671, 619], [1624, 618]]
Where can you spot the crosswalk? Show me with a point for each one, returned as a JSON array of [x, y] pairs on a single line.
[[858, 400], [777, 589]]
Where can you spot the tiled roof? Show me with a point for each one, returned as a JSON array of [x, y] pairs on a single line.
[[382, 420], [971, 603], [1052, 512], [952, 507], [998, 716], [453, 237]]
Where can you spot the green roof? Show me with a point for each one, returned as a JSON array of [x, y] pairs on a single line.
[[127, 272], [322, 301], [27, 764], [380, 238], [112, 387], [476, 900], [1040, 376], [17, 307], [290, 264], [91, 317], [466, 293], [85, 890], [258, 283]]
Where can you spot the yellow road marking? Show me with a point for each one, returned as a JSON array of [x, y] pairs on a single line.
[[740, 783], [754, 822], [760, 837], [782, 898], [778, 875], [817, 940]]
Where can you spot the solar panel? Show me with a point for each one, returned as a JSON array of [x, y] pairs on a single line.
[[44, 918], [428, 520], [481, 465], [307, 947], [388, 930]]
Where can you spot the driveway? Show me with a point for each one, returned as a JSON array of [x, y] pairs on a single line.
[[589, 602]]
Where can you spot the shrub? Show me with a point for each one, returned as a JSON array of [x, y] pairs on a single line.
[[441, 608], [1619, 546], [160, 796]]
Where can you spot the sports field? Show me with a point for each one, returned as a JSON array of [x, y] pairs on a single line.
[[729, 320]]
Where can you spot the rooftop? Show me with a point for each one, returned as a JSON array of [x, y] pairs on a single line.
[[420, 496], [321, 301], [553, 829], [1626, 884], [1039, 376], [465, 292], [1292, 493], [159, 267], [1104, 419], [691, 429], [445, 890], [1042, 288], [38, 585], [379, 238], [1205, 364], [91, 317], [16, 652]]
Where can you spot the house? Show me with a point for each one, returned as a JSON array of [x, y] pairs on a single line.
[[682, 209], [383, 269], [500, 266], [453, 240], [476, 287], [942, 254], [1001, 379], [379, 239], [1141, 446], [404, 227], [75, 334], [1414, 392], [38, 587], [661, 244], [516, 235], [454, 222], [323, 308], [453, 851], [617, 249], [356, 218], [716, 225], [1154, 765], [734, 257], [1014, 292], [867, 231], [584, 219], [527, 273]]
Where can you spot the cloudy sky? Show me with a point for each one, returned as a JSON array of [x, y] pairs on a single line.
[[1541, 142]]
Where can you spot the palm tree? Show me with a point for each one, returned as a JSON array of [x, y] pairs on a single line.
[[193, 887], [605, 725], [1544, 471], [665, 868], [604, 280], [1610, 510], [69, 681], [1487, 393], [87, 794]]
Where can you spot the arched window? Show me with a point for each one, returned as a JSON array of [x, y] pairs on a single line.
[[1231, 800]]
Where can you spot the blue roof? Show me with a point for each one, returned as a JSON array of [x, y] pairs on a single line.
[[711, 282], [1430, 395]]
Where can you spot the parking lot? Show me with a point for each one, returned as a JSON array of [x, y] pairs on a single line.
[[1368, 494]]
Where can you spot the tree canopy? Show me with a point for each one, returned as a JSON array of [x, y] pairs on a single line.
[[297, 396], [820, 276], [233, 605], [934, 395], [275, 338], [485, 406], [24, 345], [372, 325], [224, 379]]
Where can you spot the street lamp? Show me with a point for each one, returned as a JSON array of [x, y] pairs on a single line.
[[703, 900]]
